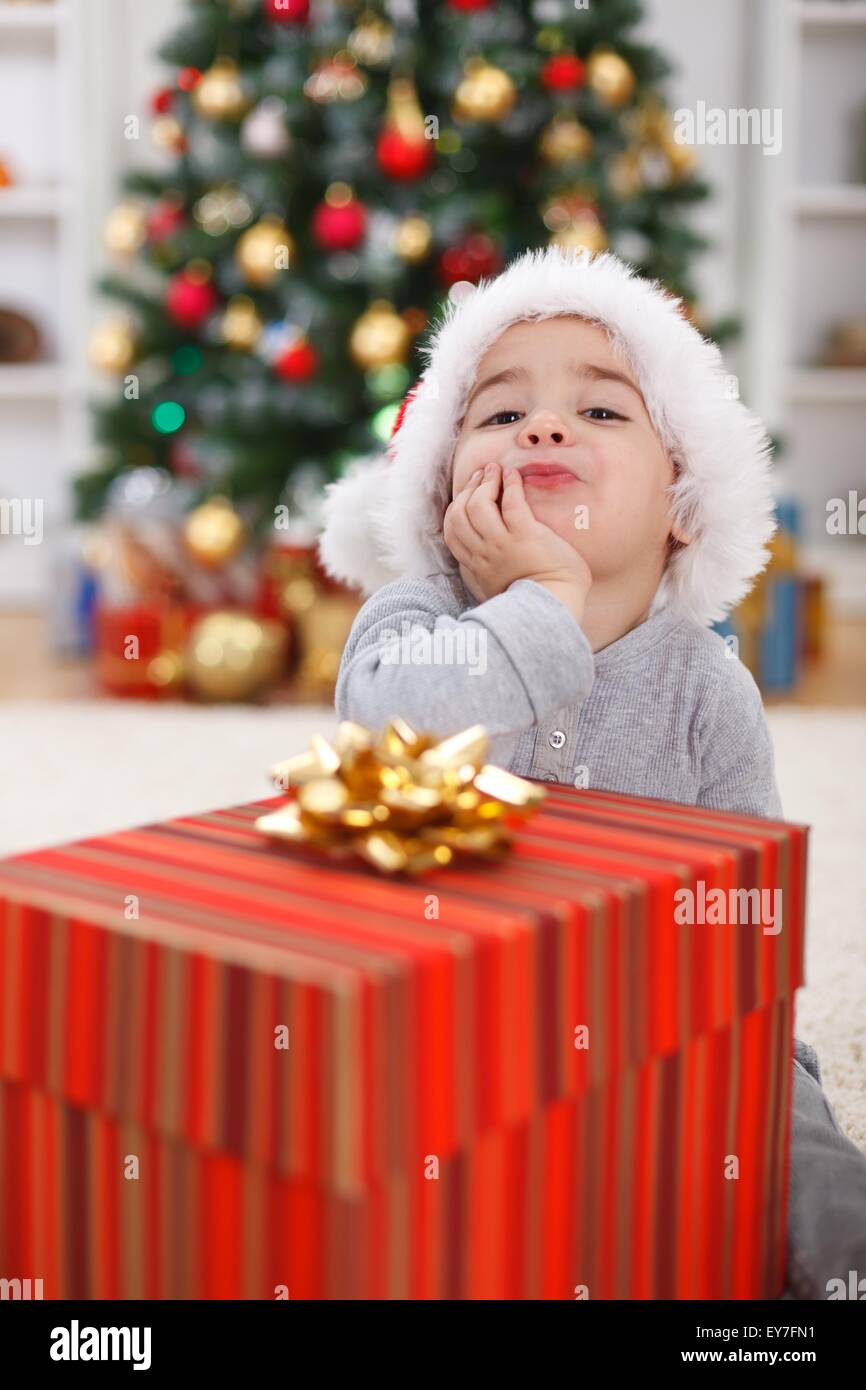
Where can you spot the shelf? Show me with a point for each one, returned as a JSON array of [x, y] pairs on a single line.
[[32, 16], [836, 200], [828, 384], [831, 14], [843, 566], [30, 381], [18, 201]]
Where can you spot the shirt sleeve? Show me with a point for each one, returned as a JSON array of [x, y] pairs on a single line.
[[737, 762], [508, 663]]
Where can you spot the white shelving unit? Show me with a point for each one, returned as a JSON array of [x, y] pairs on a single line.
[[42, 427], [807, 230]]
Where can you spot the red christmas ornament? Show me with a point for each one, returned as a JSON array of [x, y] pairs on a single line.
[[190, 299], [161, 101], [473, 259], [298, 363], [286, 11], [564, 72], [164, 219], [400, 159], [188, 78], [469, 5], [339, 227]]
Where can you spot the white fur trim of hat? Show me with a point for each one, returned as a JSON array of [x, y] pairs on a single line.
[[383, 520]]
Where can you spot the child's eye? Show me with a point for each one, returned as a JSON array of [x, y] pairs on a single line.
[[593, 410], [499, 415]]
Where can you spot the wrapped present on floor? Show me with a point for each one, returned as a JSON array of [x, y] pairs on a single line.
[[319, 610], [238, 1059], [177, 606]]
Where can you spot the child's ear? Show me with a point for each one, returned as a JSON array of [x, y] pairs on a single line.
[[679, 538]]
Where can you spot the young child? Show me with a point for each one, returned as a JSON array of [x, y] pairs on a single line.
[[571, 494]]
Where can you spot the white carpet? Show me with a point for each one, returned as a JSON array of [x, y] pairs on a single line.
[[77, 769]]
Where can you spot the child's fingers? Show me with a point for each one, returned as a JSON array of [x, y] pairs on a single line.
[[457, 517], [482, 506], [456, 542], [516, 511]]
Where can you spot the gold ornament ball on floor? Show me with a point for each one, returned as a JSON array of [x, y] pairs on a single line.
[[233, 656], [220, 95], [485, 94], [379, 337], [112, 346], [264, 250], [610, 77], [214, 533]]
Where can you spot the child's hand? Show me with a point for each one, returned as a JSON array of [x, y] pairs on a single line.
[[495, 547]]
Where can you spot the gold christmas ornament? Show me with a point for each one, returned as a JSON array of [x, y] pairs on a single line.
[[125, 229], [583, 233], [214, 533], [112, 346], [264, 250], [403, 110], [625, 174], [166, 670], [166, 132], [322, 631], [573, 221], [610, 77], [336, 79], [220, 95], [402, 800], [372, 40], [241, 326], [412, 239], [296, 596], [380, 336], [221, 209], [485, 94], [681, 159], [233, 656], [565, 140], [650, 122]]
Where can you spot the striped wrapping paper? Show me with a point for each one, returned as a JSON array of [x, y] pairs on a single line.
[[431, 1129]]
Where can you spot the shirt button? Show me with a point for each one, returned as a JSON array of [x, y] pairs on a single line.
[[556, 739]]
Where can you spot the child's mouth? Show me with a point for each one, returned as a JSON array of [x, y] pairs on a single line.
[[547, 475]]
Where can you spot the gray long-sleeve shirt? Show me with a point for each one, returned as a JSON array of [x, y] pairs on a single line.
[[666, 711]]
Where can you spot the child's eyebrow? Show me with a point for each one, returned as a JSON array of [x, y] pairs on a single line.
[[586, 369]]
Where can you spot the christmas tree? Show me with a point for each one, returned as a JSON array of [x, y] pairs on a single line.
[[333, 172]]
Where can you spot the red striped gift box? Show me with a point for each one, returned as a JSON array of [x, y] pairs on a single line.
[[232, 1068]]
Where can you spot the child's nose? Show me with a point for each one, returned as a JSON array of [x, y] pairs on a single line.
[[546, 427]]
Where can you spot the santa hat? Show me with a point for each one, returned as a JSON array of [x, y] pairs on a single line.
[[383, 520]]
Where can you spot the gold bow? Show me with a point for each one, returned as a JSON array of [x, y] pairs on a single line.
[[399, 799]]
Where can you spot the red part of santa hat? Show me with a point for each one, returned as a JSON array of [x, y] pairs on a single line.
[[383, 520]]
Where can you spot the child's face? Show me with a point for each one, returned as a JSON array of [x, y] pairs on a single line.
[[609, 502]]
